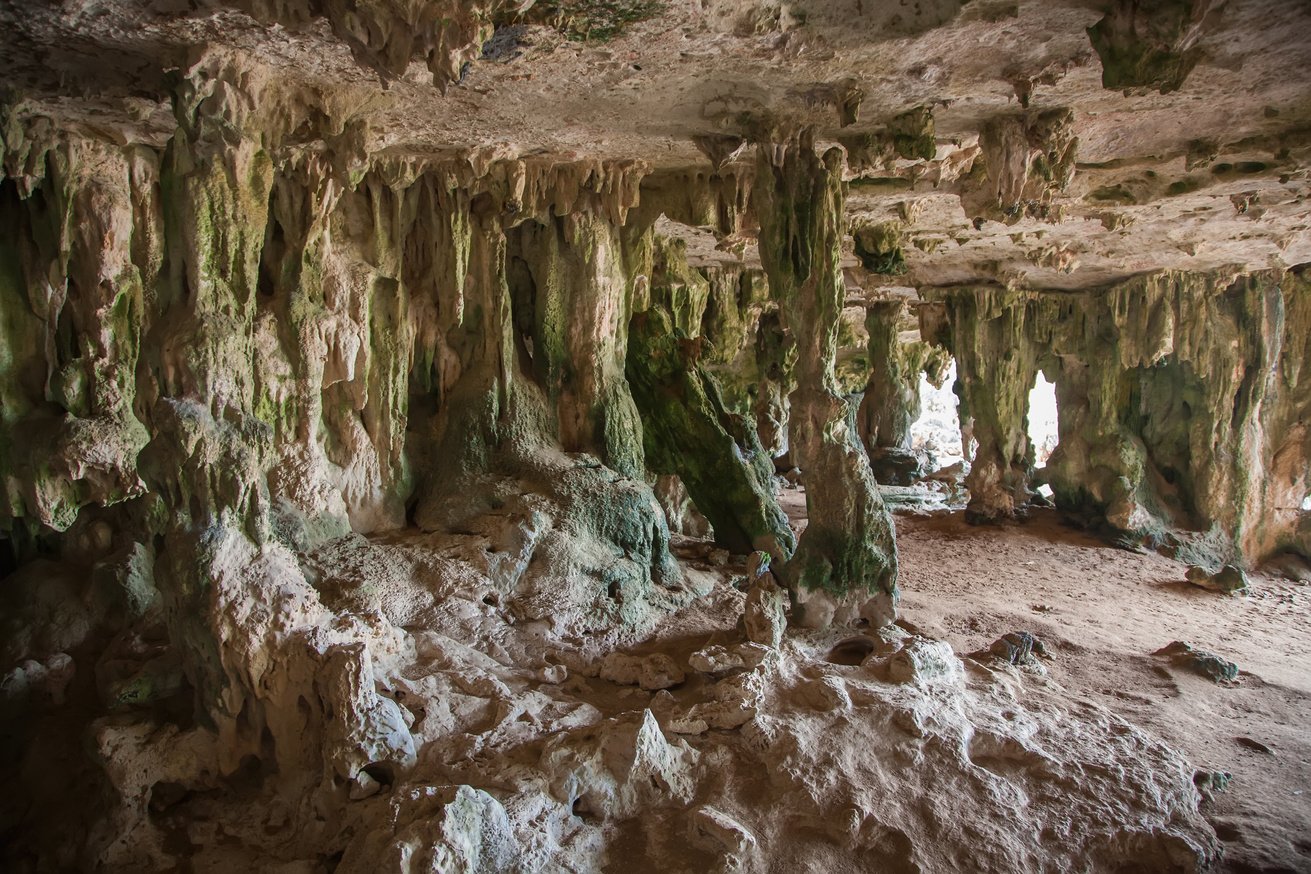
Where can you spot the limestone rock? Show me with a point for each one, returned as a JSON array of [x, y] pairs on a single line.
[[714, 830], [1228, 580], [1019, 648], [621, 768], [925, 661], [651, 672], [368, 731], [1200, 661], [1211, 783], [718, 660], [437, 828], [331, 403], [765, 612], [33, 682]]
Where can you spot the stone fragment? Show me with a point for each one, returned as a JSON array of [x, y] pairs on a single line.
[[715, 660], [826, 693], [1229, 579], [925, 661], [1199, 661], [364, 786], [367, 729], [715, 831], [436, 828], [31, 680], [724, 715], [620, 768], [718, 660], [1017, 648], [651, 672], [156, 680], [765, 615], [659, 671], [1211, 783], [895, 467], [1254, 745], [687, 724], [552, 675], [952, 474]]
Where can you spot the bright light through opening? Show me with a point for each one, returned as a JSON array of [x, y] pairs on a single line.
[[936, 433], [1042, 420]]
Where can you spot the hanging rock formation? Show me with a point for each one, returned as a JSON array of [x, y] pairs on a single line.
[[398, 398], [1189, 438]]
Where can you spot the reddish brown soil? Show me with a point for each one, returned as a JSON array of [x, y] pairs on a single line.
[[1102, 611]]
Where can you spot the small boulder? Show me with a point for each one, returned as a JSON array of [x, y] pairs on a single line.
[[715, 831], [720, 661], [716, 660], [1254, 745], [1211, 783], [659, 671], [363, 785], [1230, 579], [952, 474], [1019, 648], [1199, 661], [765, 613], [651, 672], [925, 661], [826, 693], [551, 675], [892, 466]]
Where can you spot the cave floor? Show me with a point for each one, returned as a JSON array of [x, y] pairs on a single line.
[[1102, 611], [498, 716]]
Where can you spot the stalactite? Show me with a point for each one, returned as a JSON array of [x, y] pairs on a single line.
[[891, 401], [995, 368], [1200, 362]]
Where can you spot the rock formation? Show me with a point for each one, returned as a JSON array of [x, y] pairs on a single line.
[[371, 373]]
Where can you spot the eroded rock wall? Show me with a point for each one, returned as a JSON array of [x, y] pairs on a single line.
[[1180, 402], [229, 352]]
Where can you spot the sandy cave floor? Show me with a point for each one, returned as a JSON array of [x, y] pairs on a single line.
[[1102, 611]]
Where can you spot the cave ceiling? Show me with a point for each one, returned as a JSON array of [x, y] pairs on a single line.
[[1052, 145]]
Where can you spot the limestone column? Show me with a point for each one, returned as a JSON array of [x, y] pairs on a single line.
[[995, 371], [847, 558]]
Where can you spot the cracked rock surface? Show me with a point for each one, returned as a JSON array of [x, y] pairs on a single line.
[[460, 435]]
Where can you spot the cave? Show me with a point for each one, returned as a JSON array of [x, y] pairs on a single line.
[[655, 435]]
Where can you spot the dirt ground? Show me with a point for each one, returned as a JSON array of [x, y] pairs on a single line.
[[1102, 611]]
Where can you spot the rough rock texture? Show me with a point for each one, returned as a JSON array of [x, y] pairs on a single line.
[[1190, 436], [357, 360], [847, 557]]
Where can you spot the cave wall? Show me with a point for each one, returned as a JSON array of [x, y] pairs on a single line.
[[224, 353], [1181, 405]]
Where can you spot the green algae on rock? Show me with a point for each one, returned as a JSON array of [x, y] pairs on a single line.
[[847, 558]]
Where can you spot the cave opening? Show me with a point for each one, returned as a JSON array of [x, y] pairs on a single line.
[[936, 431], [1042, 420]]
